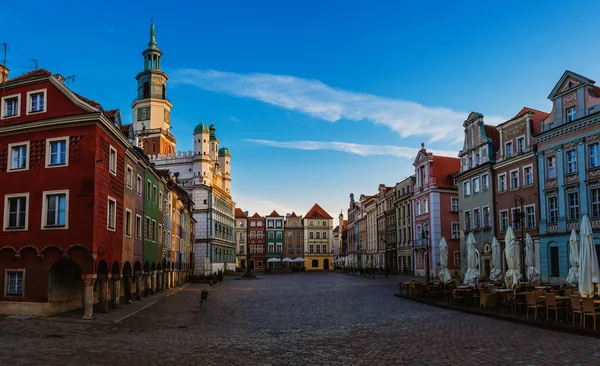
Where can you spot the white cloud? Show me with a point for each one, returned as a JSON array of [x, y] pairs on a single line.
[[358, 149], [322, 101]]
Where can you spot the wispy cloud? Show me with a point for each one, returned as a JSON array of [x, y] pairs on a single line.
[[254, 203], [358, 149], [319, 100], [110, 29]]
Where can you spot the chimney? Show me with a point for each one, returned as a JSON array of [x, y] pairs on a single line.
[[3, 74]]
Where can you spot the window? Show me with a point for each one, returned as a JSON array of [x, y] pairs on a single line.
[[139, 185], [271, 246], [138, 226], [457, 259], [454, 204], [16, 207], [54, 210], [571, 158], [516, 219], [259, 224], [594, 155], [259, 234], [476, 218], [551, 167], [112, 161], [289, 234], [502, 182], [573, 202], [520, 145], [148, 190], [324, 223], [14, 283], [485, 182], [311, 248], [128, 216], [503, 220], [467, 220], [486, 216], [318, 249], [311, 235], [290, 249], [129, 177], [252, 249], [552, 209], [153, 231], [477, 159], [595, 201], [17, 156], [298, 248], [279, 235], [270, 223], [324, 235], [10, 106], [298, 235], [528, 175], [252, 234], [514, 179], [571, 113], [310, 223], [318, 235], [509, 149], [57, 152], [324, 248], [252, 223], [529, 217], [160, 201], [278, 223], [455, 230], [475, 185], [111, 214], [467, 189], [270, 235], [418, 209], [36, 101], [154, 194], [278, 246]]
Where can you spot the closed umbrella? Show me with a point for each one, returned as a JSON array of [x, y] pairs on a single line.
[[533, 274], [472, 261], [496, 272], [444, 274], [573, 276], [512, 260], [588, 262]]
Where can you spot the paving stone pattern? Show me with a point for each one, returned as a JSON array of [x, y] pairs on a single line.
[[296, 319]]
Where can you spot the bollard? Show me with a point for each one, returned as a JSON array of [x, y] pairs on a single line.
[[203, 297]]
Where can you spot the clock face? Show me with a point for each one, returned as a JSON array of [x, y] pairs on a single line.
[[143, 114], [167, 116]]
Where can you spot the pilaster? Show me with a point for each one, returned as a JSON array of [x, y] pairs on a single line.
[[88, 295]]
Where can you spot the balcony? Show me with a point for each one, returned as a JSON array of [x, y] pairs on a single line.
[[421, 243]]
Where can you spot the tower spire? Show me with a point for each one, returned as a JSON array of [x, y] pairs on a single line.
[[152, 43]]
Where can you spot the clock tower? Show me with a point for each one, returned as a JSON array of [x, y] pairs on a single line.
[[151, 108]]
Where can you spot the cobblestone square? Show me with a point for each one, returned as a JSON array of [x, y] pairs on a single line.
[[299, 319]]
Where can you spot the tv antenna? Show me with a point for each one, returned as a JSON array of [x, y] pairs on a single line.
[[69, 79], [35, 63]]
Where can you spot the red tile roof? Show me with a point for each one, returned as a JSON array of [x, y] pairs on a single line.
[[111, 113], [317, 212], [274, 214], [492, 133], [239, 214], [444, 168], [93, 103], [256, 215], [126, 128], [38, 73], [538, 117], [293, 214]]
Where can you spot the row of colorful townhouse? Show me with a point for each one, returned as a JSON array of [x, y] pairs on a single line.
[[537, 172], [86, 218], [264, 241]]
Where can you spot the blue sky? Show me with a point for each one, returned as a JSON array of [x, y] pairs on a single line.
[[315, 99]]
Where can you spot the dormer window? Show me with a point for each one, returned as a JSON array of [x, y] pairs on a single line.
[[571, 114], [509, 149], [521, 144], [36, 101]]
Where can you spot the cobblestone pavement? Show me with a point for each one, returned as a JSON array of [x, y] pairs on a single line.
[[295, 319]]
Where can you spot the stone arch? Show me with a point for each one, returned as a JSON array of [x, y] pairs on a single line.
[[137, 267], [65, 290], [48, 247], [29, 247], [127, 270], [315, 263], [146, 267], [153, 267], [75, 246], [115, 269], [8, 247], [102, 268]]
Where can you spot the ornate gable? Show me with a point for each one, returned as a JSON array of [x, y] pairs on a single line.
[[569, 80]]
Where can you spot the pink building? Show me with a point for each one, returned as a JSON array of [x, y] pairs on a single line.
[[435, 212]]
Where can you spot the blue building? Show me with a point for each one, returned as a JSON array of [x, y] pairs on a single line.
[[568, 170]]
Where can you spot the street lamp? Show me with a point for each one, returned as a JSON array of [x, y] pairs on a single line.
[[424, 235], [248, 273], [519, 215]]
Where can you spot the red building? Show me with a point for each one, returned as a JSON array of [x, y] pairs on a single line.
[[256, 242], [62, 173], [435, 212]]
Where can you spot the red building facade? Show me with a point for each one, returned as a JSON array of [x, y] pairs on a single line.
[[256, 242], [435, 212]]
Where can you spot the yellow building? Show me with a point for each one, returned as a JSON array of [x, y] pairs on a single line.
[[318, 244]]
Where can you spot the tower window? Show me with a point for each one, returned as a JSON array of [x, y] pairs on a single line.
[[164, 92], [146, 90]]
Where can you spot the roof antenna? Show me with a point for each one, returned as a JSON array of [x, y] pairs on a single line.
[[69, 79], [35, 63]]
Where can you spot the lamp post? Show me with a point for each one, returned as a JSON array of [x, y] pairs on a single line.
[[248, 273], [519, 215], [424, 235]]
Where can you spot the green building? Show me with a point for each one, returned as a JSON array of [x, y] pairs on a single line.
[[274, 241]]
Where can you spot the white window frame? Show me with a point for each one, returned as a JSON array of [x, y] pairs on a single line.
[[512, 219], [512, 150], [489, 221], [7, 208], [574, 162], [17, 270], [129, 175], [49, 152], [28, 111], [502, 228], [453, 207], [568, 205], [467, 213], [45, 194], [465, 185], [139, 227], [3, 106], [525, 184], [140, 185], [110, 168], [549, 213], [160, 200], [456, 258], [128, 225], [10, 153], [160, 229], [154, 193], [503, 175], [522, 137], [455, 233], [476, 179], [554, 167], [568, 115], [518, 179], [596, 157], [108, 214], [532, 206], [487, 186], [476, 217]]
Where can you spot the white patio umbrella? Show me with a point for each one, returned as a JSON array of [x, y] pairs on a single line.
[[299, 259], [512, 260], [496, 272], [444, 274], [286, 259], [472, 261], [573, 276], [271, 260], [533, 274], [588, 262]]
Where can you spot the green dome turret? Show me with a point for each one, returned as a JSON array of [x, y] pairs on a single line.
[[224, 152], [213, 129], [201, 128]]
